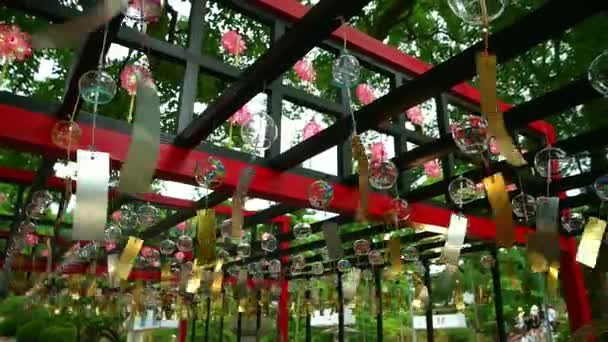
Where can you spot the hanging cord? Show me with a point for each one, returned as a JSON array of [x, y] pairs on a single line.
[[485, 22], [523, 196], [349, 101], [100, 67]]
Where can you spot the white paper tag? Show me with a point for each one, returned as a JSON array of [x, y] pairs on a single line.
[[90, 213]]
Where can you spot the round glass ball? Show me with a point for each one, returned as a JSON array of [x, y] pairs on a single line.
[[375, 257], [210, 173], [343, 266], [471, 134], [259, 132], [144, 10], [551, 161], [147, 215], [167, 247], [274, 266], [26, 227], [361, 247], [269, 242], [128, 217], [34, 211], [487, 261], [573, 221], [97, 87], [298, 261], [462, 191], [345, 71], [185, 243], [320, 194], [113, 233], [302, 230], [153, 257], [410, 253], [317, 268], [66, 134], [524, 206], [471, 12], [382, 174], [324, 253], [42, 198], [399, 210], [243, 249], [598, 73], [601, 187]]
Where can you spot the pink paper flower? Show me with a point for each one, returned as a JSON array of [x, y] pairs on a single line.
[[241, 117], [432, 168], [493, 146], [311, 128], [116, 216], [233, 43], [365, 94], [414, 114], [305, 70], [181, 226], [180, 256], [378, 151], [31, 239], [130, 74], [14, 44], [146, 251]]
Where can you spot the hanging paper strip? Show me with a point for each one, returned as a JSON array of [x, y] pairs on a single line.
[[128, 256], [195, 278], [238, 198], [552, 279], [459, 296], [543, 244], [70, 33], [394, 248], [454, 240], [218, 277], [165, 276], [206, 235], [333, 240], [112, 261], [138, 170], [591, 241], [90, 214], [361, 157], [499, 200], [486, 68]]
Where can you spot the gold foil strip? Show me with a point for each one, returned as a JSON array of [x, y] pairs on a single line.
[[361, 157], [486, 68], [499, 200], [543, 244], [139, 167], [206, 235], [218, 278], [91, 211], [165, 276], [454, 240], [459, 296], [333, 241], [49, 258], [591, 241], [237, 216], [195, 278], [552, 279], [394, 247], [128, 255]]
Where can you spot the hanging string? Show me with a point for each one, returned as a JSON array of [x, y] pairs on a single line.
[[100, 67], [485, 21]]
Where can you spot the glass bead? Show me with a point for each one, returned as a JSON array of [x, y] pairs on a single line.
[[345, 71], [361, 247], [26, 227], [298, 261], [269, 243], [128, 218], [66, 134], [399, 210], [243, 249], [153, 258], [601, 187], [471, 134], [410, 253], [382, 174], [167, 247], [551, 160], [462, 191], [113, 233], [487, 261], [274, 266], [573, 221], [34, 211], [524, 206], [147, 215], [302, 230], [210, 173], [185, 243], [144, 10], [317, 268], [320, 194], [598, 73], [375, 257], [260, 132], [42, 198], [470, 11], [344, 266], [97, 87]]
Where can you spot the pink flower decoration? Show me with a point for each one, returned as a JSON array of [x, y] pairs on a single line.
[[116, 216], [181, 226], [305, 70], [365, 94], [414, 114], [31, 239], [180, 256], [145, 251], [130, 74], [432, 168], [378, 151], [233, 43], [14, 44], [241, 117], [493, 145], [110, 246], [311, 128]]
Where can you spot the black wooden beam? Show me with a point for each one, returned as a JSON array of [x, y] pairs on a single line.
[[316, 25]]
